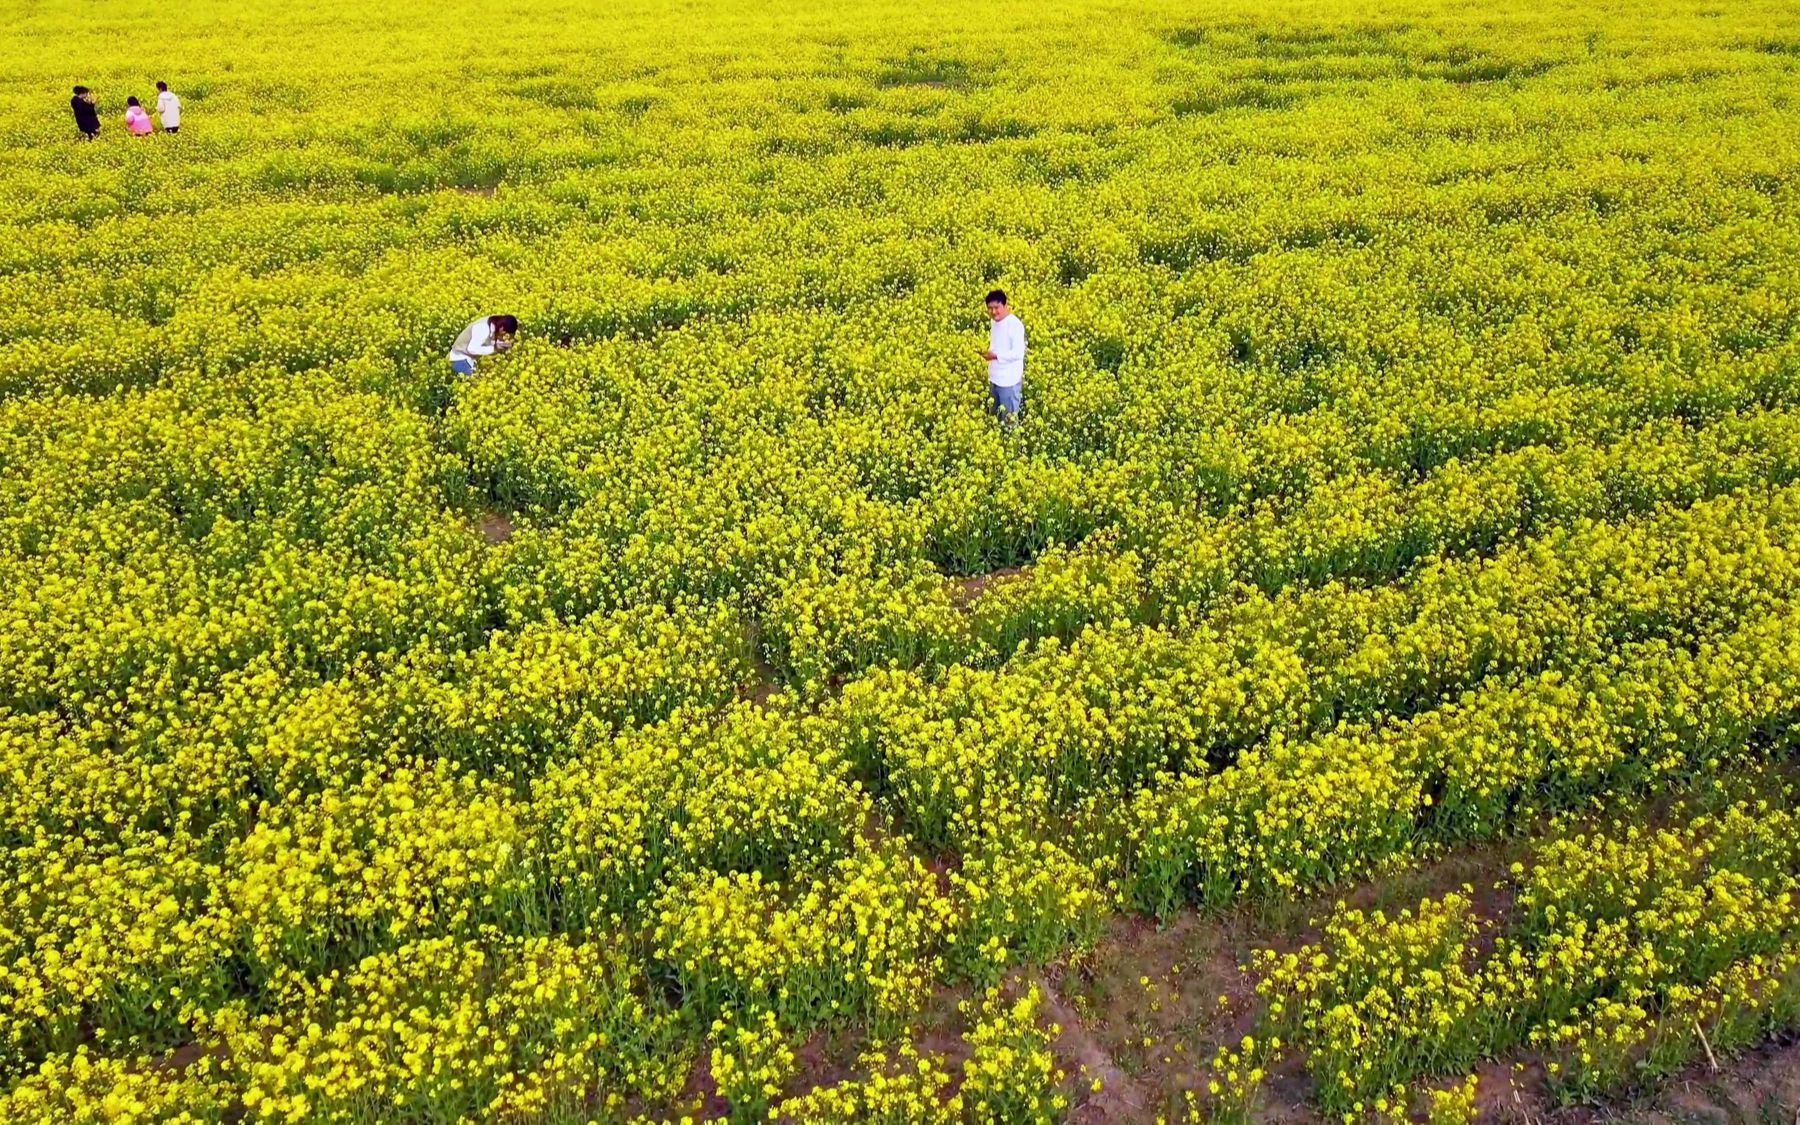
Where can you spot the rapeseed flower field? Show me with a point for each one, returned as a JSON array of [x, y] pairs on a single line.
[[706, 709]]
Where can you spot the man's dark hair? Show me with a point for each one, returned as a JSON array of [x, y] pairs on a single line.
[[506, 324], [996, 295], [80, 90], [162, 85]]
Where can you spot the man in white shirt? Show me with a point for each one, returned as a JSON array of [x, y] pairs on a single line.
[[486, 336], [1006, 359], [169, 107]]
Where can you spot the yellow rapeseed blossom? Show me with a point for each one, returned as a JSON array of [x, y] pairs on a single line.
[[1410, 456]]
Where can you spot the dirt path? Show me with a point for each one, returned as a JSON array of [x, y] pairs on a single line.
[[1759, 1086], [766, 680], [1119, 1098]]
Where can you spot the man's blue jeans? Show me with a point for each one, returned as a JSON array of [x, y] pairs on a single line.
[[1008, 400], [463, 366]]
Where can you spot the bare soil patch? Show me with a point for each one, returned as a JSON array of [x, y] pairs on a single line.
[[1119, 1098], [180, 1058], [495, 527], [1759, 1086], [964, 591], [766, 681], [764, 687], [827, 1058]]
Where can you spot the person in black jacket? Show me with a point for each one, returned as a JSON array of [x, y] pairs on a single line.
[[87, 114]]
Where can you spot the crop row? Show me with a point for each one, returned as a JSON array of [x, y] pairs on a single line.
[[1161, 566], [1624, 954], [1109, 714]]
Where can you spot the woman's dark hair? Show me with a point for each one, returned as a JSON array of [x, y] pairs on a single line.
[[506, 324], [162, 85], [80, 90], [996, 295], [132, 101]]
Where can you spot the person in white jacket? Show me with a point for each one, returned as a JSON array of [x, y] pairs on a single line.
[[1006, 359], [485, 336], [168, 107]]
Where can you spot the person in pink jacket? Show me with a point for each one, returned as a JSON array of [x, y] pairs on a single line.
[[136, 119]]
